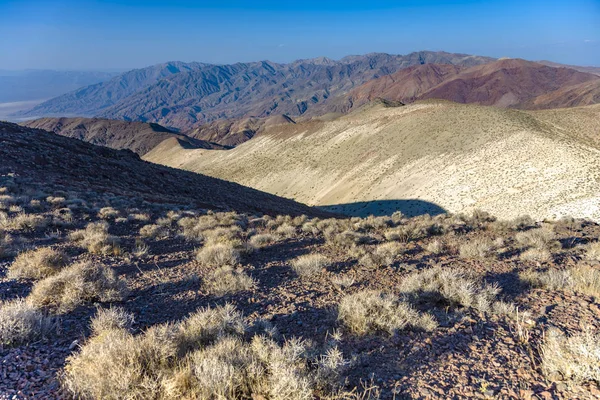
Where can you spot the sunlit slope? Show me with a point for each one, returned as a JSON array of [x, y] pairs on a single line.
[[457, 157]]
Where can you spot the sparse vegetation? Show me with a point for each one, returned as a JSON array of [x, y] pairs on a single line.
[[152, 231], [479, 248], [592, 252], [583, 279], [218, 254], [96, 239], [108, 213], [225, 279], [36, 264], [309, 264], [449, 287], [263, 240], [80, 282], [369, 312], [21, 322], [382, 256], [575, 357]]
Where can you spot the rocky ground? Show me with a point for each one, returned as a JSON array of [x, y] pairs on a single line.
[[471, 354]]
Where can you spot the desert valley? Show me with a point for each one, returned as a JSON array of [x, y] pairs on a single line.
[[376, 226]]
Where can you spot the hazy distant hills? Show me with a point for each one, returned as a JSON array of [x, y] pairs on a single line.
[[42, 84], [459, 157], [183, 95], [505, 83], [139, 137]]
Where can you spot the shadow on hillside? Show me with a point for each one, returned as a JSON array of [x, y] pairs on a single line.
[[410, 208]]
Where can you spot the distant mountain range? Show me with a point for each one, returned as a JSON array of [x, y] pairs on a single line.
[[185, 95], [27, 85]]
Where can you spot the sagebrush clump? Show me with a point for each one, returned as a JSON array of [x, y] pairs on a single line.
[[575, 357], [21, 322], [96, 239], [309, 264], [36, 264]]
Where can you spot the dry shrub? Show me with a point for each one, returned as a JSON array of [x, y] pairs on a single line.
[[413, 230], [153, 231], [286, 231], [309, 264], [37, 264], [575, 357], [6, 243], [583, 279], [263, 240], [205, 356], [230, 234], [449, 286], [111, 318], [194, 227], [342, 281], [592, 251], [23, 222], [478, 248], [138, 217], [345, 239], [21, 322], [436, 246], [382, 256], [96, 240], [539, 255], [76, 284], [108, 213], [218, 254], [540, 238], [369, 311], [226, 280]]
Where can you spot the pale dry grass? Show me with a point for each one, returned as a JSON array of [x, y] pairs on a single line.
[[153, 231], [309, 264], [227, 280], [263, 239], [538, 255], [23, 222], [478, 248], [111, 318], [592, 251], [21, 322], [540, 238], [76, 284], [575, 357], [582, 278], [369, 312], [38, 263], [96, 239], [449, 286], [383, 255], [219, 254], [109, 213]]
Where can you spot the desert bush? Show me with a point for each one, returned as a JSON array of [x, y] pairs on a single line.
[[286, 230], [96, 240], [342, 281], [138, 217], [108, 213], [56, 201], [23, 222], [540, 238], [436, 246], [575, 357], [478, 248], [592, 251], [263, 239], [226, 280], [449, 286], [230, 234], [345, 239], [6, 243], [369, 312], [205, 356], [111, 318], [539, 255], [194, 227], [152, 231], [583, 279], [382, 256], [406, 233], [37, 264], [62, 217], [218, 254], [309, 264], [76, 284], [21, 322]]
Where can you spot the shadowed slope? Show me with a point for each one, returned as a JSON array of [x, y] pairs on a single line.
[[68, 164]]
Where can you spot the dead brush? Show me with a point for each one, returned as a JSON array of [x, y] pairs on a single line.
[[21, 322], [370, 312], [226, 280], [204, 356], [309, 264], [96, 239], [108, 213], [153, 231], [451, 287], [383, 255], [263, 239], [575, 357], [37, 264], [218, 254], [6, 245], [582, 278], [406, 233], [77, 284], [540, 238], [592, 252], [478, 248], [346, 239], [23, 222]]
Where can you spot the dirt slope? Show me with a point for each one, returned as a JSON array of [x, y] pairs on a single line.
[[67, 164], [428, 155], [138, 137]]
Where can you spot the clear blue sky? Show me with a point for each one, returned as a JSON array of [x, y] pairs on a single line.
[[119, 34]]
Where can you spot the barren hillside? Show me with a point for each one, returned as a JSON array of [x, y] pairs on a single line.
[[425, 157]]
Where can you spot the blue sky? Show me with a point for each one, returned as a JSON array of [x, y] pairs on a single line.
[[122, 34]]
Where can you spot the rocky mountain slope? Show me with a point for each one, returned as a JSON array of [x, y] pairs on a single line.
[[182, 95], [504, 83], [138, 137], [66, 164], [425, 157]]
